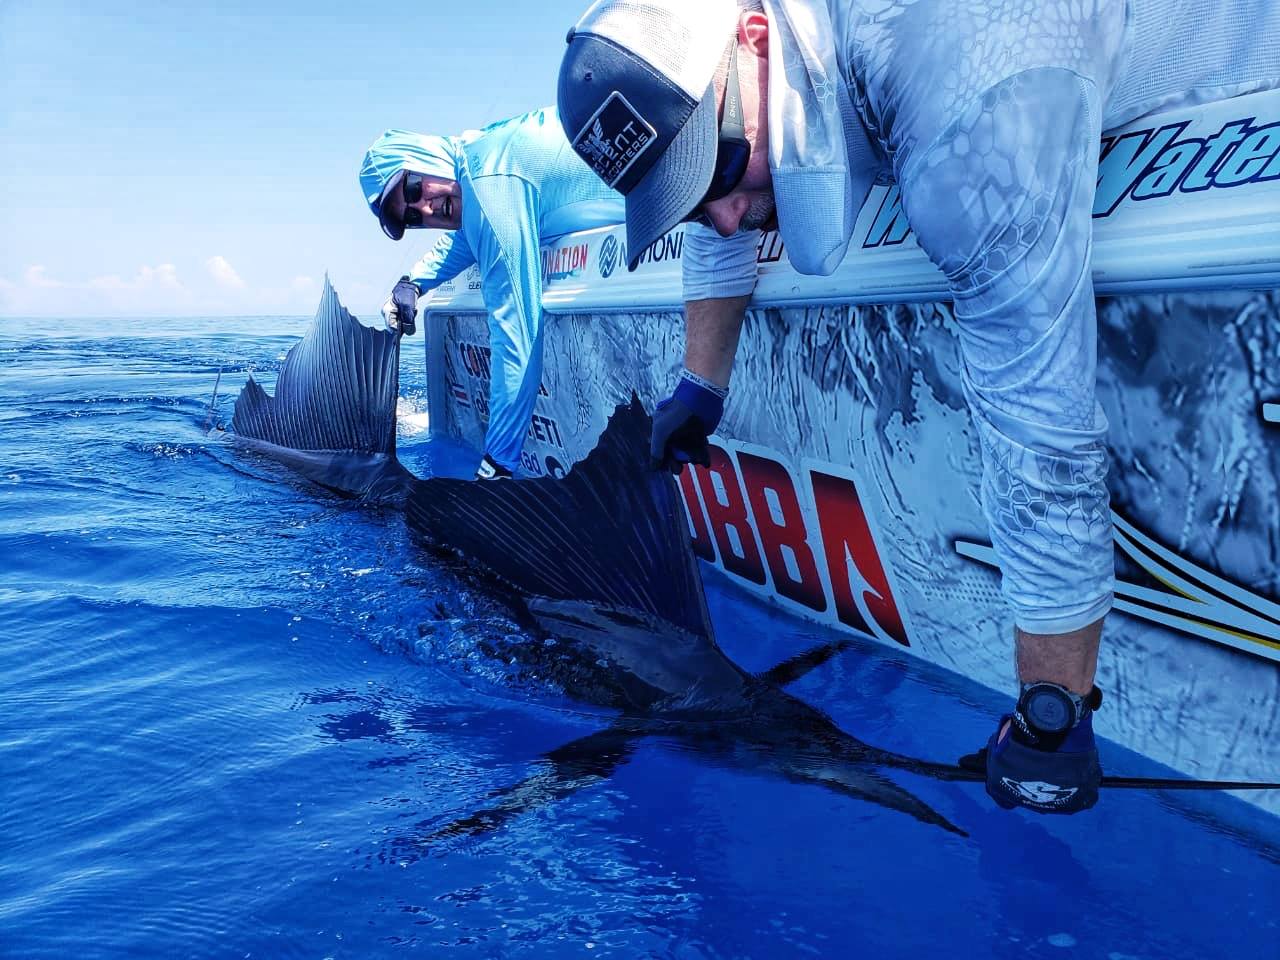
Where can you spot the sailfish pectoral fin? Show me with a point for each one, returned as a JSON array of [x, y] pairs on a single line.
[[793, 668], [561, 773]]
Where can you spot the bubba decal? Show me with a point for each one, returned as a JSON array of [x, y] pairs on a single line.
[[807, 541]]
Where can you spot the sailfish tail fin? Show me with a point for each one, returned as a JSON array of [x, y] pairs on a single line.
[[333, 416]]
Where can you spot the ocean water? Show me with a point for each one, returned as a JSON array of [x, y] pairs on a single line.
[[236, 713]]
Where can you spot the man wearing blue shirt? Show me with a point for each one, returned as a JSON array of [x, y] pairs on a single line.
[[500, 192]]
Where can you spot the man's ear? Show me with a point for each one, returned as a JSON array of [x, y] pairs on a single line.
[[753, 33]]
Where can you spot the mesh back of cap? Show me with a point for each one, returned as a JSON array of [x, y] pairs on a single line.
[[682, 39]]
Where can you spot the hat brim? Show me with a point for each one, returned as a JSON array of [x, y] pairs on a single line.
[[674, 185], [390, 226]]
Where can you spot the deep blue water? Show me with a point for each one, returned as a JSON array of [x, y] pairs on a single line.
[[232, 708]]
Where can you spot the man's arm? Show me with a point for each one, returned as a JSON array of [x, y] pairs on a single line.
[[719, 276], [711, 332], [1018, 264], [445, 260]]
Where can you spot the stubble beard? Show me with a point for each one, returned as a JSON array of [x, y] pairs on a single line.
[[759, 213]]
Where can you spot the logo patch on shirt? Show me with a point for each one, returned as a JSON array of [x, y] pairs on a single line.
[[614, 138]]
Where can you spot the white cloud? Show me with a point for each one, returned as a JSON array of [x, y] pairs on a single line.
[[152, 290], [205, 287], [36, 276], [162, 277], [223, 272]]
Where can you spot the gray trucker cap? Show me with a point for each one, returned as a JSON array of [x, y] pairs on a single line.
[[637, 103]]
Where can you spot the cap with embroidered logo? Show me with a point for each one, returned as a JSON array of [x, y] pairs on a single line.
[[638, 104]]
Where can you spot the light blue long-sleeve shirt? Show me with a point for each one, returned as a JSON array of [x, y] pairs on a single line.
[[522, 185], [989, 116]]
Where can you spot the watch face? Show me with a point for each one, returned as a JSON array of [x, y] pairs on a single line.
[[1049, 710]]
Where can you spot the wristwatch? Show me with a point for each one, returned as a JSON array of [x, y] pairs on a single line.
[[1050, 708]]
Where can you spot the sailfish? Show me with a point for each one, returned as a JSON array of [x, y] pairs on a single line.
[[599, 560]]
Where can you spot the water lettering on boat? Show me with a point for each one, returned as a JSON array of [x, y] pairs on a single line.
[[770, 248], [1140, 165], [890, 225], [1153, 163]]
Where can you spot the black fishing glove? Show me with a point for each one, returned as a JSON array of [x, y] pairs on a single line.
[[1047, 760], [491, 469], [401, 309], [682, 423]]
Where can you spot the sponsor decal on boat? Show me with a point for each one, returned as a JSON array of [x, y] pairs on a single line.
[[806, 539], [611, 254], [770, 248], [563, 262], [1139, 165], [543, 429], [670, 246], [1190, 599], [1152, 163]]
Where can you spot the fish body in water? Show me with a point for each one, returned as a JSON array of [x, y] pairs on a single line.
[[600, 560]]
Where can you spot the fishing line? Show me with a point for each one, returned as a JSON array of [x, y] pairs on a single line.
[[974, 768], [212, 400]]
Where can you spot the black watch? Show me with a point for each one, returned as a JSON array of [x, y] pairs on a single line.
[[1050, 708]]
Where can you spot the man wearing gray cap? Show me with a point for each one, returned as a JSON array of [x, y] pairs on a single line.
[[988, 116]]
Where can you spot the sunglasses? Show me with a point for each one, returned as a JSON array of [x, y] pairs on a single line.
[[732, 151], [412, 187]]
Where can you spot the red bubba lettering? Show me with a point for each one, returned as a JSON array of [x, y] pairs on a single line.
[[782, 533], [730, 516], [698, 531], [858, 581]]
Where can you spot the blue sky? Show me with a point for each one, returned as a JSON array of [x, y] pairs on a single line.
[[201, 159]]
